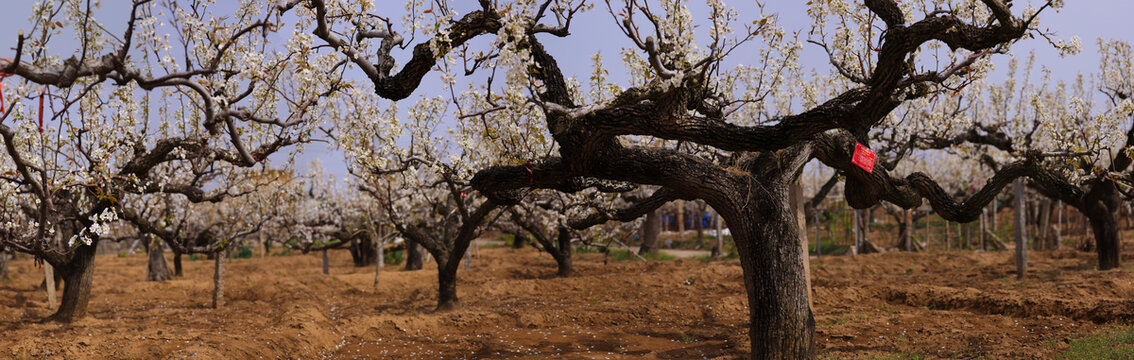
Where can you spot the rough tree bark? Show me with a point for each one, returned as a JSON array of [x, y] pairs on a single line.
[[767, 237], [795, 197], [77, 276]]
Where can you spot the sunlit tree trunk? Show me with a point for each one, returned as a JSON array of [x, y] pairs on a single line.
[[78, 275], [767, 237]]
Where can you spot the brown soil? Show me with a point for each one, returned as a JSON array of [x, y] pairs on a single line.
[[939, 305]]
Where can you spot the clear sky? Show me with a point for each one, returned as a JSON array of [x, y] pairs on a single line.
[[597, 31]]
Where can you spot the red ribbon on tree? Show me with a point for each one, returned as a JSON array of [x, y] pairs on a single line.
[[42, 94], [531, 174], [2, 86], [3, 75], [863, 157]]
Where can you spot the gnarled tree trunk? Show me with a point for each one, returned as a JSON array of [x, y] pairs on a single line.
[[78, 274], [767, 237]]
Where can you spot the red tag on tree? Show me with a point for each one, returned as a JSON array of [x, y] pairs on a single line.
[[863, 157], [41, 95]]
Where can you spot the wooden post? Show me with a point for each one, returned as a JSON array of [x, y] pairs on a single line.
[[380, 262], [948, 244], [1059, 225], [468, 258], [818, 244], [680, 219], [326, 263], [981, 235], [962, 234], [218, 280], [856, 231], [49, 280], [720, 235], [1020, 214], [992, 209], [925, 233]]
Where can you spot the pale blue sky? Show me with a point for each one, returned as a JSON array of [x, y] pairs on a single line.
[[596, 31]]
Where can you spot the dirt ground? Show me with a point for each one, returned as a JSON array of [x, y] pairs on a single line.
[[938, 305]]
